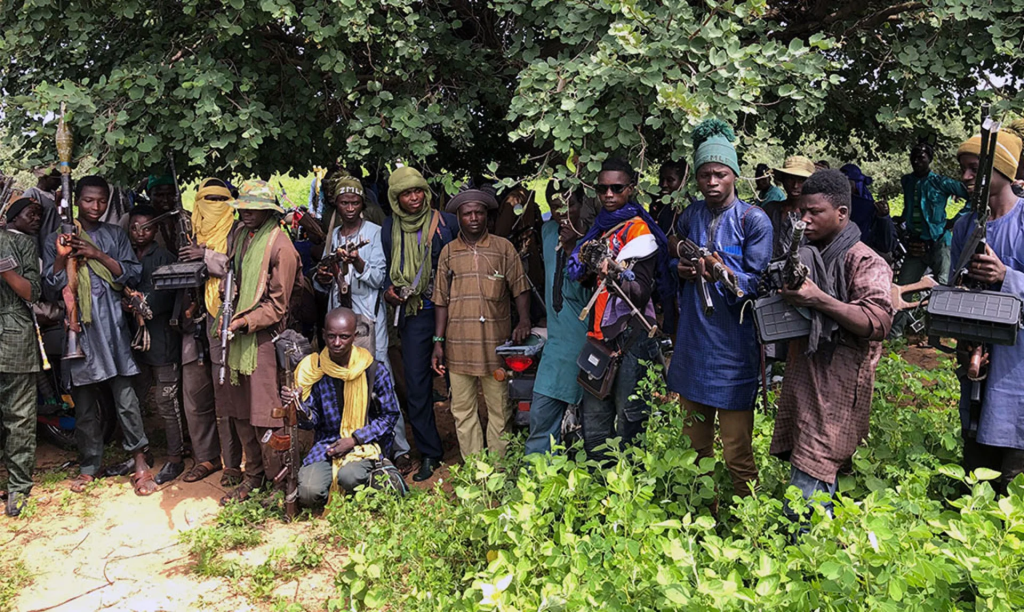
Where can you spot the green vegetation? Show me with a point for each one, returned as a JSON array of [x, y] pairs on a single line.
[[254, 87], [911, 531], [14, 576]]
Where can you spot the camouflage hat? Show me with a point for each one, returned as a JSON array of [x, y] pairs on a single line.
[[255, 194]]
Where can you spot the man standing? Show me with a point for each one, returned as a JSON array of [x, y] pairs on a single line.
[[555, 387], [999, 444], [715, 367], [413, 238], [106, 264], [212, 220], [632, 240], [766, 192], [352, 406], [159, 364], [267, 271], [825, 404], [45, 193], [925, 195], [477, 275], [872, 218], [19, 351], [784, 214]]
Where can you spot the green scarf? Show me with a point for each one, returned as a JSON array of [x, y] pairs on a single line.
[[408, 255], [85, 280], [253, 270]]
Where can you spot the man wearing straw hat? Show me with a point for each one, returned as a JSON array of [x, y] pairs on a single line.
[[784, 214]]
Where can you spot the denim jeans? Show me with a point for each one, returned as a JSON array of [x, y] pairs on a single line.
[[809, 485], [617, 415], [545, 421]]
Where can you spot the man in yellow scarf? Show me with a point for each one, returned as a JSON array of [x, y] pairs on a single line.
[[213, 216], [351, 403]]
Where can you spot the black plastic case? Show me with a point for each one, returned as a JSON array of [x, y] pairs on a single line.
[[976, 316], [777, 321]]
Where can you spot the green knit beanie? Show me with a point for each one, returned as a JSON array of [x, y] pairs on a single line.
[[712, 142]]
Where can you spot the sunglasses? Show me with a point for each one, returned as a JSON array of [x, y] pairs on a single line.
[[617, 188]]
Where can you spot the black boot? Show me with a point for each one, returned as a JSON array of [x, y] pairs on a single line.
[[427, 467], [16, 503]]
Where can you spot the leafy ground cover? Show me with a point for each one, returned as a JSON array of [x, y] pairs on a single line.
[[911, 531]]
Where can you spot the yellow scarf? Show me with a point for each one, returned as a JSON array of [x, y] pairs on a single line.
[[357, 398], [211, 223]]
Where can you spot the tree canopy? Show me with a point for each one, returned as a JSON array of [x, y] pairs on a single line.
[[258, 86]]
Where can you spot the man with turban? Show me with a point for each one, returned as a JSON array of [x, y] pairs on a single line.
[[999, 442], [413, 238], [213, 216]]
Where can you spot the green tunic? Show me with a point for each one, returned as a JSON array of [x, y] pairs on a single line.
[[19, 351]]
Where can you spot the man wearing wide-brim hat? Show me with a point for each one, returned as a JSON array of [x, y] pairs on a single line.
[[477, 275], [791, 176], [267, 270]]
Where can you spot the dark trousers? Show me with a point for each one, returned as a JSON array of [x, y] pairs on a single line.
[[1008, 461], [417, 346], [200, 411], [166, 382], [18, 422], [617, 415], [260, 460], [89, 429]]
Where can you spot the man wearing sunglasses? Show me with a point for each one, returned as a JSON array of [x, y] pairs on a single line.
[[715, 366], [636, 243]]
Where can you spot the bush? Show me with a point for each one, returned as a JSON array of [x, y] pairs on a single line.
[[557, 533]]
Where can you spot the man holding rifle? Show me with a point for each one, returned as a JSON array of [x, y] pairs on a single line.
[[267, 270], [825, 404], [999, 443], [715, 366], [19, 351], [107, 263]]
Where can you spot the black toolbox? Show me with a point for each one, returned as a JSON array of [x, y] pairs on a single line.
[[975, 316], [182, 275]]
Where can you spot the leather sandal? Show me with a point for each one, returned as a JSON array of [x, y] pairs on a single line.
[[80, 482], [200, 471], [144, 484], [241, 493], [232, 477]]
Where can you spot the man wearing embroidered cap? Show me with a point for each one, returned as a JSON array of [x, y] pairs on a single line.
[[476, 275], [715, 367], [413, 238], [784, 214], [999, 444], [267, 270]]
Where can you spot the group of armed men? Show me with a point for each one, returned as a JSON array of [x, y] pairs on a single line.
[[416, 286]]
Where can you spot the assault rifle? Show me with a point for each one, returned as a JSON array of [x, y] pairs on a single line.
[[138, 307], [291, 348], [791, 272], [684, 248], [227, 313], [335, 264], [65, 143]]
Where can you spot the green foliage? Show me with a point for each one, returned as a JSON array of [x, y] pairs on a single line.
[[253, 87], [557, 533], [14, 576], [238, 526]]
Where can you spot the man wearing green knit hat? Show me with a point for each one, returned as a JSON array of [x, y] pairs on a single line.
[[715, 367], [413, 238], [267, 270]]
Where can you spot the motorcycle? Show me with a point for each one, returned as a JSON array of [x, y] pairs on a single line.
[[520, 371]]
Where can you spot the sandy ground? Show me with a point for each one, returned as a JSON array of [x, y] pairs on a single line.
[[108, 549]]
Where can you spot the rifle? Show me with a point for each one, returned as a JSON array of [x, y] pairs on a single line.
[[795, 272], [687, 249], [65, 143], [336, 265], [139, 308], [226, 314], [978, 353], [303, 220], [6, 190], [292, 348]]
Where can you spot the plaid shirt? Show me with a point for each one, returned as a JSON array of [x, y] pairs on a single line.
[[326, 402], [19, 350]]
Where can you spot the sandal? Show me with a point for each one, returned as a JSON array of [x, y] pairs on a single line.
[[240, 493], [80, 482], [232, 477], [200, 471], [143, 483]]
